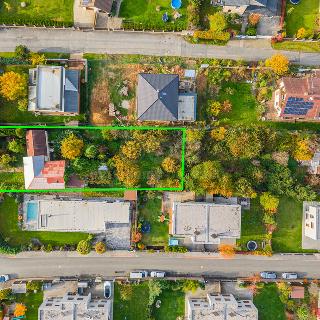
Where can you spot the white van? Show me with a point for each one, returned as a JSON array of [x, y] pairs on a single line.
[[138, 274], [157, 274]]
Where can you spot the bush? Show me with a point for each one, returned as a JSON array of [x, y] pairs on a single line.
[[220, 36], [179, 249], [84, 247], [251, 31], [100, 247], [34, 286], [91, 151], [22, 52], [23, 104]]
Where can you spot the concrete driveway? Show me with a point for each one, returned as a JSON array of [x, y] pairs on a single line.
[[83, 18]]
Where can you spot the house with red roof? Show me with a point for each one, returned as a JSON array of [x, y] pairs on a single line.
[[39, 172], [298, 98]]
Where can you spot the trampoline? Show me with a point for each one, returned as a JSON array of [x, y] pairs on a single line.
[[294, 1], [176, 4]]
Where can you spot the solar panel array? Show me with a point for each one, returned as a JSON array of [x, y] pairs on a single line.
[[297, 106]]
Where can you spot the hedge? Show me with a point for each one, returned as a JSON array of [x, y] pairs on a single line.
[[20, 21], [129, 25], [6, 249]]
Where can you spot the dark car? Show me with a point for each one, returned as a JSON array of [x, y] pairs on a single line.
[[107, 289]]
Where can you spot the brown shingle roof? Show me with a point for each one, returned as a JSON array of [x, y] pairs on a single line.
[[104, 5], [36, 143]]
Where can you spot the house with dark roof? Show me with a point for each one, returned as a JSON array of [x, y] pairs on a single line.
[[54, 90], [97, 5], [39, 172], [298, 98], [159, 99]]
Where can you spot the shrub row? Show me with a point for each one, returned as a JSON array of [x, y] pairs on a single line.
[[34, 22], [15, 61], [6, 249], [129, 25]]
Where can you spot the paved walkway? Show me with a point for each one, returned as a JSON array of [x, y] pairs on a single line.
[[159, 44]]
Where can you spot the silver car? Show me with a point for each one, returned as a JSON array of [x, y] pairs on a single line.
[[268, 275], [289, 276]]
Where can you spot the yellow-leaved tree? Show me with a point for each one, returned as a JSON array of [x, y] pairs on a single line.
[[20, 310], [13, 85], [71, 147], [279, 63]]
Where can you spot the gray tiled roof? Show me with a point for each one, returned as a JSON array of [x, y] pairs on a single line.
[[158, 97], [272, 5], [71, 92]]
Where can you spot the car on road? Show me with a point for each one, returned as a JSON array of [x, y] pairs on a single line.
[[4, 278], [289, 275], [268, 275], [107, 289], [138, 274], [157, 274]]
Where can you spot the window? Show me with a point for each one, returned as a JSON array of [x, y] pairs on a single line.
[[312, 225]]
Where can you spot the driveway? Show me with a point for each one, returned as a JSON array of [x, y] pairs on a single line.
[[82, 18]]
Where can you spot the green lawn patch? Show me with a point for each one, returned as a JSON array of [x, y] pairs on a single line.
[[302, 15], [244, 105], [172, 305], [268, 303], [252, 227], [10, 230], [38, 12], [144, 13], [303, 46], [32, 301], [11, 180], [136, 308], [149, 211]]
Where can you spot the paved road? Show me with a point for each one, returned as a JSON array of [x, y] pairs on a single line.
[[161, 44], [60, 264]]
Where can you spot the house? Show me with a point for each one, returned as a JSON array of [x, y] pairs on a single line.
[[297, 292], [311, 225], [206, 223], [298, 98], [160, 98], [39, 172], [97, 5], [72, 307], [220, 307], [111, 217], [54, 90]]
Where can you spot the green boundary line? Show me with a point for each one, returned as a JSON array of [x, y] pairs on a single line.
[[181, 185]]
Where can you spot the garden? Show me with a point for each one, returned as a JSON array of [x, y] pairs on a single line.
[[37, 12]]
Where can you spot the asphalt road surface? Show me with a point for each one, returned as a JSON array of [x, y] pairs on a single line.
[[59, 264], [160, 44]]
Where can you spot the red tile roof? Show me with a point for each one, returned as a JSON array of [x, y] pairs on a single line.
[[297, 292], [54, 171]]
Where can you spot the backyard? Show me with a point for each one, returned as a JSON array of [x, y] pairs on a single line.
[[10, 231], [268, 303], [38, 12], [302, 15], [32, 301]]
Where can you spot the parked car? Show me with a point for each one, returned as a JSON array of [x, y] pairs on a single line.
[[268, 275], [107, 289], [289, 275], [157, 274], [4, 278], [138, 274]]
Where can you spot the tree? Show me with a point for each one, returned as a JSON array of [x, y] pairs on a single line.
[[22, 52], [169, 164], [37, 59], [126, 292], [244, 188], [215, 108], [16, 146], [131, 149], [137, 236], [13, 85], [20, 310], [279, 180], [279, 63], [194, 135], [155, 290], [227, 250], [218, 134], [84, 246], [22, 104], [269, 202], [71, 147], [303, 313], [33, 286], [91, 151], [100, 247], [226, 106], [254, 19], [127, 172], [218, 22], [190, 285], [302, 149], [301, 33], [285, 290], [6, 160], [5, 294]]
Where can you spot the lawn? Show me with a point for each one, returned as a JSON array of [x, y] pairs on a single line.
[[244, 105], [303, 46], [136, 308], [149, 211], [11, 180], [301, 15], [10, 231], [172, 305], [268, 303], [32, 301], [37, 12], [252, 227], [144, 12]]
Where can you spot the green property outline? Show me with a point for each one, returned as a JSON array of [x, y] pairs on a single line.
[[182, 170]]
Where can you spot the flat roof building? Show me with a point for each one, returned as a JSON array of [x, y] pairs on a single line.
[[311, 211], [206, 223], [74, 307]]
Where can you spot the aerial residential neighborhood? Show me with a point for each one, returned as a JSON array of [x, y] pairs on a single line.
[[160, 160]]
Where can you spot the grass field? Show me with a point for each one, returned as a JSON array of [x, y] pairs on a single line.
[[298, 46], [268, 303], [32, 301], [158, 235], [172, 306], [244, 106], [37, 10], [15, 237], [301, 15]]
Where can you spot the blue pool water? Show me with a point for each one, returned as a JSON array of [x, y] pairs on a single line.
[[32, 211], [176, 4]]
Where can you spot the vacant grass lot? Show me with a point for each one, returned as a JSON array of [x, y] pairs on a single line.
[[301, 15], [37, 12], [268, 303], [10, 231], [158, 236], [145, 13]]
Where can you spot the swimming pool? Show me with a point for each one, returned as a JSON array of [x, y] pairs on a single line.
[[32, 211]]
